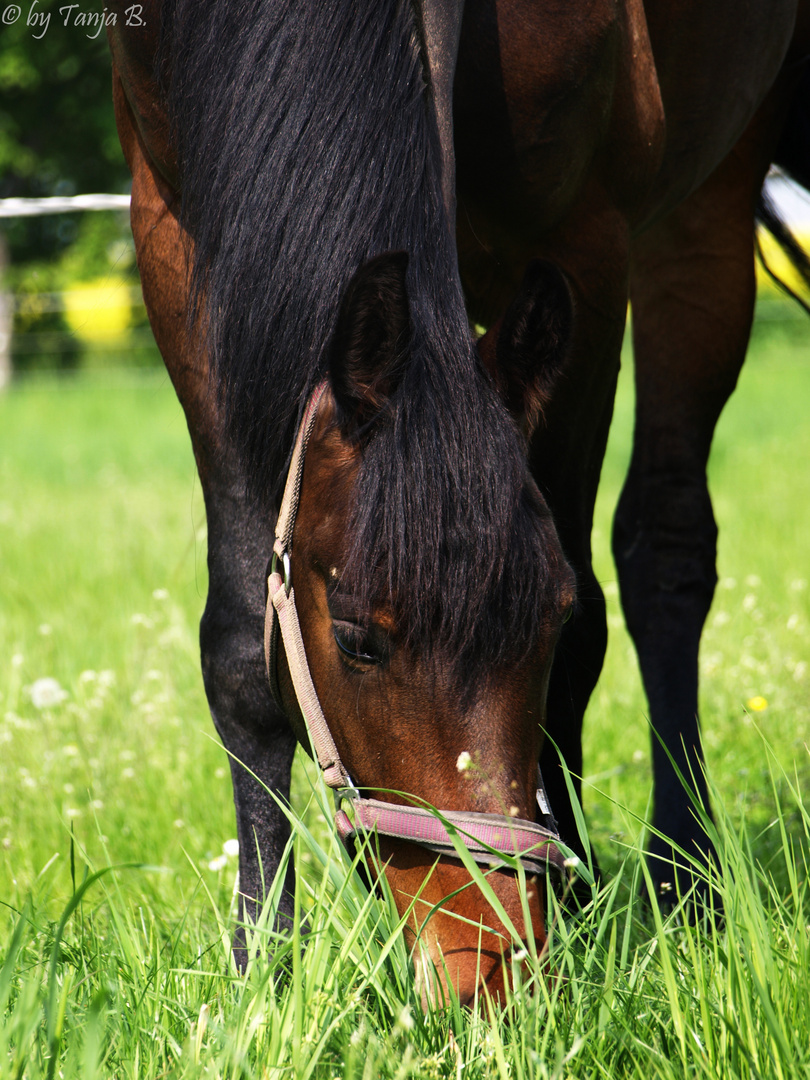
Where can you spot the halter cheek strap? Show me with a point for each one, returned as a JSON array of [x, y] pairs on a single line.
[[486, 836]]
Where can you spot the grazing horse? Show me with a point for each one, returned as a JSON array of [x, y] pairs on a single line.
[[325, 197]]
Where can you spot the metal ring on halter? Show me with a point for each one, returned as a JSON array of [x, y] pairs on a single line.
[[348, 792], [286, 566]]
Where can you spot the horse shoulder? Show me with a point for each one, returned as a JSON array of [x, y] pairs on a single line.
[[162, 248], [133, 40]]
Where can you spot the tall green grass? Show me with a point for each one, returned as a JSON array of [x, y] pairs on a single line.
[[624, 991], [128, 973]]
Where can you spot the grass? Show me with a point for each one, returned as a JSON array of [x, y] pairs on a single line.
[[127, 972]]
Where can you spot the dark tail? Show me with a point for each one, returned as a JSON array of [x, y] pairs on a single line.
[[793, 158]]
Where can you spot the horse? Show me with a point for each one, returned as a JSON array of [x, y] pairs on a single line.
[[326, 198]]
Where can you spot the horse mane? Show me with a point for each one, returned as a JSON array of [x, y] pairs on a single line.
[[307, 144]]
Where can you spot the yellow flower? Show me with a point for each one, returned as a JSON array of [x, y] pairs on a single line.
[[757, 704]]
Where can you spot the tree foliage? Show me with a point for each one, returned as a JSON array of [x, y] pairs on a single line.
[[57, 130]]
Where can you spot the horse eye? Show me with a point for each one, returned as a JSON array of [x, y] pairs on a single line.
[[355, 643]]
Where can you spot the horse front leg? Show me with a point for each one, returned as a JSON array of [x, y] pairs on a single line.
[[255, 734], [257, 737], [692, 294]]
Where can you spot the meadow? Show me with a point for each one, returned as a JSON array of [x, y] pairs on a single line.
[[117, 859]]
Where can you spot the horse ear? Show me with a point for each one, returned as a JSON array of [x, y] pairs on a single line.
[[369, 347], [531, 343]]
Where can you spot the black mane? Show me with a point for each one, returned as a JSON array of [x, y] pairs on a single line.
[[307, 144]]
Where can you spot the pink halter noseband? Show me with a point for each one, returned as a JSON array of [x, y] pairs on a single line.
[[486, 836]]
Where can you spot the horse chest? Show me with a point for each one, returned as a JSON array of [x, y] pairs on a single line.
[[575, 97], [714, 63]]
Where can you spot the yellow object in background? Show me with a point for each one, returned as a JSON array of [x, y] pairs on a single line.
[[99, 310], [781, 265]]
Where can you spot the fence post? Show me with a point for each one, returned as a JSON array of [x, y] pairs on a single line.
[[6, 316]]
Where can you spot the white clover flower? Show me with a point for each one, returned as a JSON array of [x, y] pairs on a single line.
[[219, 863], [45, 693], [106, 677], [160, 594], [572, 863], [231, 848], [464, 761], [405, 1020], [87, 676]]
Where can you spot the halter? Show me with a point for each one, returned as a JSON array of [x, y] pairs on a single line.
[[486, 836]]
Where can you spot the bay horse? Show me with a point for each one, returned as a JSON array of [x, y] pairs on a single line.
[[325, 198]]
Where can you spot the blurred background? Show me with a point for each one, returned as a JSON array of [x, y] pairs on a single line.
[[71, 296]]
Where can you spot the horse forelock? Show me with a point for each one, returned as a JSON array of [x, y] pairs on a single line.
[[448, 531]]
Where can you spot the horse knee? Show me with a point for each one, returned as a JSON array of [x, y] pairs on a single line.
[[233, 668], [664, 546]]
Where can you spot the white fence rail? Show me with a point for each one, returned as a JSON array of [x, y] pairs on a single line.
[[61, 204]]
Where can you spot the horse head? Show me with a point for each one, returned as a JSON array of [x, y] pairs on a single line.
[[421, 698]]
